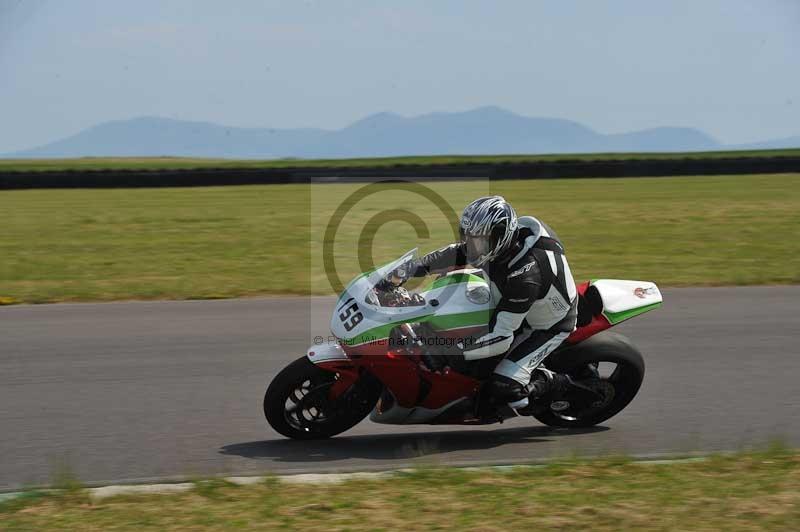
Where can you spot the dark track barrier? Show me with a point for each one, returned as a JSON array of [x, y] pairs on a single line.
[[431, 172]]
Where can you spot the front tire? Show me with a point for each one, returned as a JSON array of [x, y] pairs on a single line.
[[297, 405], [619, 388]]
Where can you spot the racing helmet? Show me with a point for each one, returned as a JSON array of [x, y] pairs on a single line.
[[488, 226]]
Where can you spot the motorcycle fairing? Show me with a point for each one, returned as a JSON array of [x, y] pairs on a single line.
[[607, 302], [326, 353], [454, 304], [623, 300], [358, 320], [399, 415], [422, 394]]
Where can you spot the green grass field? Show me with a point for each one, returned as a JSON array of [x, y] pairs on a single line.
[[110, 244], [173, 163], [752, 492]]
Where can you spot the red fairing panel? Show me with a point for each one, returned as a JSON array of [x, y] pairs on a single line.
[[598, 323], [447, 387], [403, 376], [376, 348], [398, 373]]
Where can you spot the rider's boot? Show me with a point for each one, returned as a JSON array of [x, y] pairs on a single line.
[[546, 382], [519, 396], [543, 382]]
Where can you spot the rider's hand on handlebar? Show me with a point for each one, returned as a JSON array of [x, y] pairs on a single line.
[[392, 281], [398, 276]]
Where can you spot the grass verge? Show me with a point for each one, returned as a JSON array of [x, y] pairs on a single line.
[[210, 242], [748, 491], [189, 163]]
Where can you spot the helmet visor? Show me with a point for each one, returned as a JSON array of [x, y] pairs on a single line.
[[477, 247]]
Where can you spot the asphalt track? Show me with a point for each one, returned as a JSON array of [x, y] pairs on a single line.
[[145, 390]]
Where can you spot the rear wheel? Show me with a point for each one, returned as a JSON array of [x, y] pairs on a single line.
[[297, 402], [607, 363]]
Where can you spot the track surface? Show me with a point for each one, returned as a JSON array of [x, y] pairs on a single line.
[[133, 391]]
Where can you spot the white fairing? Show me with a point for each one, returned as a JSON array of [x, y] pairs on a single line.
[[326, 353], [621, 296], [373, 315], [454, 300], [448, 301]]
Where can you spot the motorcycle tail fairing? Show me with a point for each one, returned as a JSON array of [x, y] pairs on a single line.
[[603, 303]]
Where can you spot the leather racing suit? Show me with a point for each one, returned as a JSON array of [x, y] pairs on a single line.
[[537, 305]]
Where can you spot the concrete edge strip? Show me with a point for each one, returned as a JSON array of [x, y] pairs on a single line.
[[104, 492]]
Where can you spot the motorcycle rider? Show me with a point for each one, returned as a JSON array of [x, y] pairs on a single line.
[[528, 272]]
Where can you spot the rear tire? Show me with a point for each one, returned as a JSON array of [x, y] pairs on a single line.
[[297, 406], [626, 379]]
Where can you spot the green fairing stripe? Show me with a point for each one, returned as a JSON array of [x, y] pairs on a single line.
[[452, 321], [616, 317], [457, 321], [453, 279], [380, 332]]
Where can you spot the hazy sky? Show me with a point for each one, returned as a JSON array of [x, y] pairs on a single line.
[[729, 67]]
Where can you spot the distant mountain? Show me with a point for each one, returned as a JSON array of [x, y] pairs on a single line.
[[776, 144], [147, 136], [486, 130], [483, 130], [662, 139]]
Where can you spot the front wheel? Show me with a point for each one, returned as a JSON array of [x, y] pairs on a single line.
[[297, 402], [615, 372]]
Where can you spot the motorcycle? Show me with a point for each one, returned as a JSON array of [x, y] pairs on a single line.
[[384, 338]]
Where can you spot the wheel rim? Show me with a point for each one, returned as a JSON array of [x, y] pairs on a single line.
[[306, 407]]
